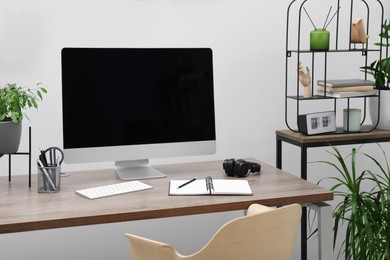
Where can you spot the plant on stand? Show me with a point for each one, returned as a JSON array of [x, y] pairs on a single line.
[[365, 213], [13, 101], [380, 70]]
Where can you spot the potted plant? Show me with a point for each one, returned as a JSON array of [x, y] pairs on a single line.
[[365, 213], [380, 70], [13, 101]]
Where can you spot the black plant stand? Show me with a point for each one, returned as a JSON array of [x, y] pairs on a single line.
[[22, 153]]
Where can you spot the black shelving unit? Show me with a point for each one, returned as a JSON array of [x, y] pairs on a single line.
[[297, 50]]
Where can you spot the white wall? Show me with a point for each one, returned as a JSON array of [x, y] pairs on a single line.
[[248, 40]]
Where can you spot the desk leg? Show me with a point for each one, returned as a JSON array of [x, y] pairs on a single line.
[[278, 153], [324, 212], [304, 162], [303, 176], [304, 210]]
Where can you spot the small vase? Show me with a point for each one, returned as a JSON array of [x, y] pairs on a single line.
[[9, 137], [384, 110], [319, 40]]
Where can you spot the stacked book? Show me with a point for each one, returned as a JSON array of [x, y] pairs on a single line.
[[343, 88]]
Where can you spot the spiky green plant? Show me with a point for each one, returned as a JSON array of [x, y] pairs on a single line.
[[365, 213]]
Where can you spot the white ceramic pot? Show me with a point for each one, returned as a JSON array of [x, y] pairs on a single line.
[[384, 115]]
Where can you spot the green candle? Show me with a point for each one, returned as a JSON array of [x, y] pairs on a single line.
[[319, 40]]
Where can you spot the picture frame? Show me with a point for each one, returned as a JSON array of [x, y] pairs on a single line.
[[317, 123]]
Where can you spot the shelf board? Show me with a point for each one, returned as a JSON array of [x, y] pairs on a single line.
[[334, 50], [367, 134], [316, 97]]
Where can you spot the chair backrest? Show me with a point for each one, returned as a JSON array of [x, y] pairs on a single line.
[[264, 233]]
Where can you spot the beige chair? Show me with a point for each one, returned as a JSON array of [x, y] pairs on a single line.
[[264, 233]]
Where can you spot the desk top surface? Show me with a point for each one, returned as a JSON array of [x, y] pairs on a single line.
[[24, 209], [376, 135]]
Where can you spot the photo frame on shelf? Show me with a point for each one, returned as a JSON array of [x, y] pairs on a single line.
[[317, 123]]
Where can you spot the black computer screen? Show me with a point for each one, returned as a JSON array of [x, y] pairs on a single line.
[[131, 96]]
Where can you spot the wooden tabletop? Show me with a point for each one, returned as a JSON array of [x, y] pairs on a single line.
[[24, 209], [376, 135]]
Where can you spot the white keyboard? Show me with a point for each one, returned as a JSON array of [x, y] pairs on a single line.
[[113, 189]]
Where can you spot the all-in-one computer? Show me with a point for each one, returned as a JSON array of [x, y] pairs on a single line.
[[130, 105]]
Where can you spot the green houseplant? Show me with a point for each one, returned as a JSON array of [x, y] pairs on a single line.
[[13, 101], [380, 70], [365, 213]]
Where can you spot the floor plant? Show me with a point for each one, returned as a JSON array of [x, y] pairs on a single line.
[[365, 213]]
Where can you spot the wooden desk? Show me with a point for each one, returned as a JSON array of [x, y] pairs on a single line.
[[24, 209], [305, 142]]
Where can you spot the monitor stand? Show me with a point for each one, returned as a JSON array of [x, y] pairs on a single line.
[[136, 170]]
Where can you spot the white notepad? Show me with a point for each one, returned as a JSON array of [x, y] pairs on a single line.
[[221, 187], [113, 189]]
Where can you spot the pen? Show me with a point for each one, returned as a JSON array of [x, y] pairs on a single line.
[[42, 156], [188, 182], [53, 187]]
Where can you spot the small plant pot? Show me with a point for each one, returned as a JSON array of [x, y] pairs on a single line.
[[10, 134], [384, 110]]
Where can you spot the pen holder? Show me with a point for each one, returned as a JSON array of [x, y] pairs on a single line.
[[49, 179]]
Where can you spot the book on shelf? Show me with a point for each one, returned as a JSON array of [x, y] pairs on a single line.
[[346, 89], [209, 186], [345, 82], [347, 94]]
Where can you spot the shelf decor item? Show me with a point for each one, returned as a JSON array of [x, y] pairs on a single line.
[[319, 40], [317, 123], [320, 37], [305, 79], [13, 101], [358, 33], [351, 119]]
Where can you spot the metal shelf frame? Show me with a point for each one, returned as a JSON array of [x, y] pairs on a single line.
[[297, 7]]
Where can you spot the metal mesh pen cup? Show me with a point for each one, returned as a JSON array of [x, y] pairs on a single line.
[[49, 179]]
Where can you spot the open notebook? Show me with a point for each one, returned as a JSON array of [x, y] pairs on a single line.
[[218, 187]]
